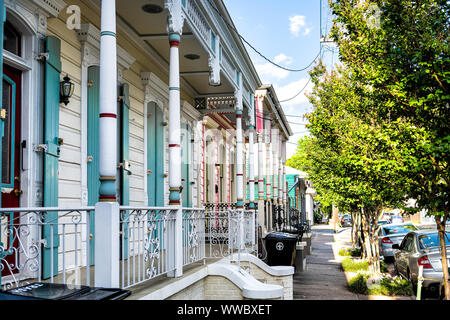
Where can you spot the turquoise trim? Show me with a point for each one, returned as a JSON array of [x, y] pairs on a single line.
[[252, 205], [107, 188], [240, 203], [213, 42], [108, 33], [174, 88], [239, 112], [174, 37], [10, 184], [2, 20], [174, 196]]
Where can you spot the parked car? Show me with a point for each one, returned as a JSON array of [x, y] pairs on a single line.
[[346, 221], [397, 219], [383, 222], [391, 234], [421, 247]]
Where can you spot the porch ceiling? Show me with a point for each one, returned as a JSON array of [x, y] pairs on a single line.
[[151, 28]]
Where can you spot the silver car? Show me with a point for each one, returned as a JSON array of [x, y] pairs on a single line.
[[421, 248], [390, 234]]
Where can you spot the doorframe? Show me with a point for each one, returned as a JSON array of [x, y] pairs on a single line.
[[32, 101], [30, 19]]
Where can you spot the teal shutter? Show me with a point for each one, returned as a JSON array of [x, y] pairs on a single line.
[[151, 157], [155, 155], [159, 135], [93, 174], [125, 145], [124, 158], [2, 20], [51, 155], [185, 150]]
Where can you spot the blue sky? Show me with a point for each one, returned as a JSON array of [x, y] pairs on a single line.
[[287, 32]]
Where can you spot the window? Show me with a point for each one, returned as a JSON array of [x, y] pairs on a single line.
[[432, 240], [12, 39], [389, 230], [7, 138]]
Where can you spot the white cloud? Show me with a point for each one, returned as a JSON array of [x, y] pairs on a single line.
[[298, 24], [268, 72], [291, 89]]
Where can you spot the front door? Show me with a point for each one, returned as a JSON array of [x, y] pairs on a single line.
[[10, 168]]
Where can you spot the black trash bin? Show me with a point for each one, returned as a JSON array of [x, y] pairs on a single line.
[[57, 291], [280, 248]]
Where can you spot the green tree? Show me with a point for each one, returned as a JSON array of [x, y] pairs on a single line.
[[404, 59]]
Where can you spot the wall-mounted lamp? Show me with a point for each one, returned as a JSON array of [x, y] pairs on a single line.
[[66, 88]]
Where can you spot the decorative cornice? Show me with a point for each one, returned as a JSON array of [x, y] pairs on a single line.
[[90, 35], [153, 87], [51, 7]]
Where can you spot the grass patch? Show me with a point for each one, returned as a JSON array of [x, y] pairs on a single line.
[[351, 265], [386, 286], [350, 252]]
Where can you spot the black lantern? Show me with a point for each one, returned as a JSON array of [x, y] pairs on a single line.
[[66, 90]]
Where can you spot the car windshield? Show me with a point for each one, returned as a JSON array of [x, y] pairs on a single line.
[[399, 229], [432, 240]]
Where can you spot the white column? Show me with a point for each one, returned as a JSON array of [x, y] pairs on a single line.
[[175, 21], [239, 162], [280, 169], [251, 166], [268, 161], [275, 163], [107, 213], [260, 132], [285, 190], [108, 103], [107, 260]]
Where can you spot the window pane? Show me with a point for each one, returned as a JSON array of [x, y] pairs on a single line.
[[12, 39], [6, 139]]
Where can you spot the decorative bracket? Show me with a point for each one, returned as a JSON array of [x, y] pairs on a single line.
[[175, 16]]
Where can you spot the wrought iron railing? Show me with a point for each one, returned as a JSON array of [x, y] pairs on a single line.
[[147, 243], [57, 244], [46, 244], [193, 235]]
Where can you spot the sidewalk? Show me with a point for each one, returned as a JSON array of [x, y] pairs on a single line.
[[324, 278]]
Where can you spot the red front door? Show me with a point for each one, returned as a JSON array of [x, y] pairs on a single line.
[[10, 171]]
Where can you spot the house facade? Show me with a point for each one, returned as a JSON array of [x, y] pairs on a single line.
[[116, 180]]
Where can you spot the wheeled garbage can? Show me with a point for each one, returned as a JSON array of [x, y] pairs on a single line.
[[280, 248]]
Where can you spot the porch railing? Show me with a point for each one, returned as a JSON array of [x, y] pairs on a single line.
[[46, 244], [147, 243], [58, 244]]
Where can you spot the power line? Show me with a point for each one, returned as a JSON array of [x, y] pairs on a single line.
[[290, 122], [309, 80], [254, 49]]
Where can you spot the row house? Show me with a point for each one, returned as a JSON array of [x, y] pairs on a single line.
[[126, 125]]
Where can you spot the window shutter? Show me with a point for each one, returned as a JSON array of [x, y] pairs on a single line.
[[2, 20], [51, 155], [93, 175]]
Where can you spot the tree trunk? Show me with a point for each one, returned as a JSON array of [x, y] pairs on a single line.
[[441, 231]]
